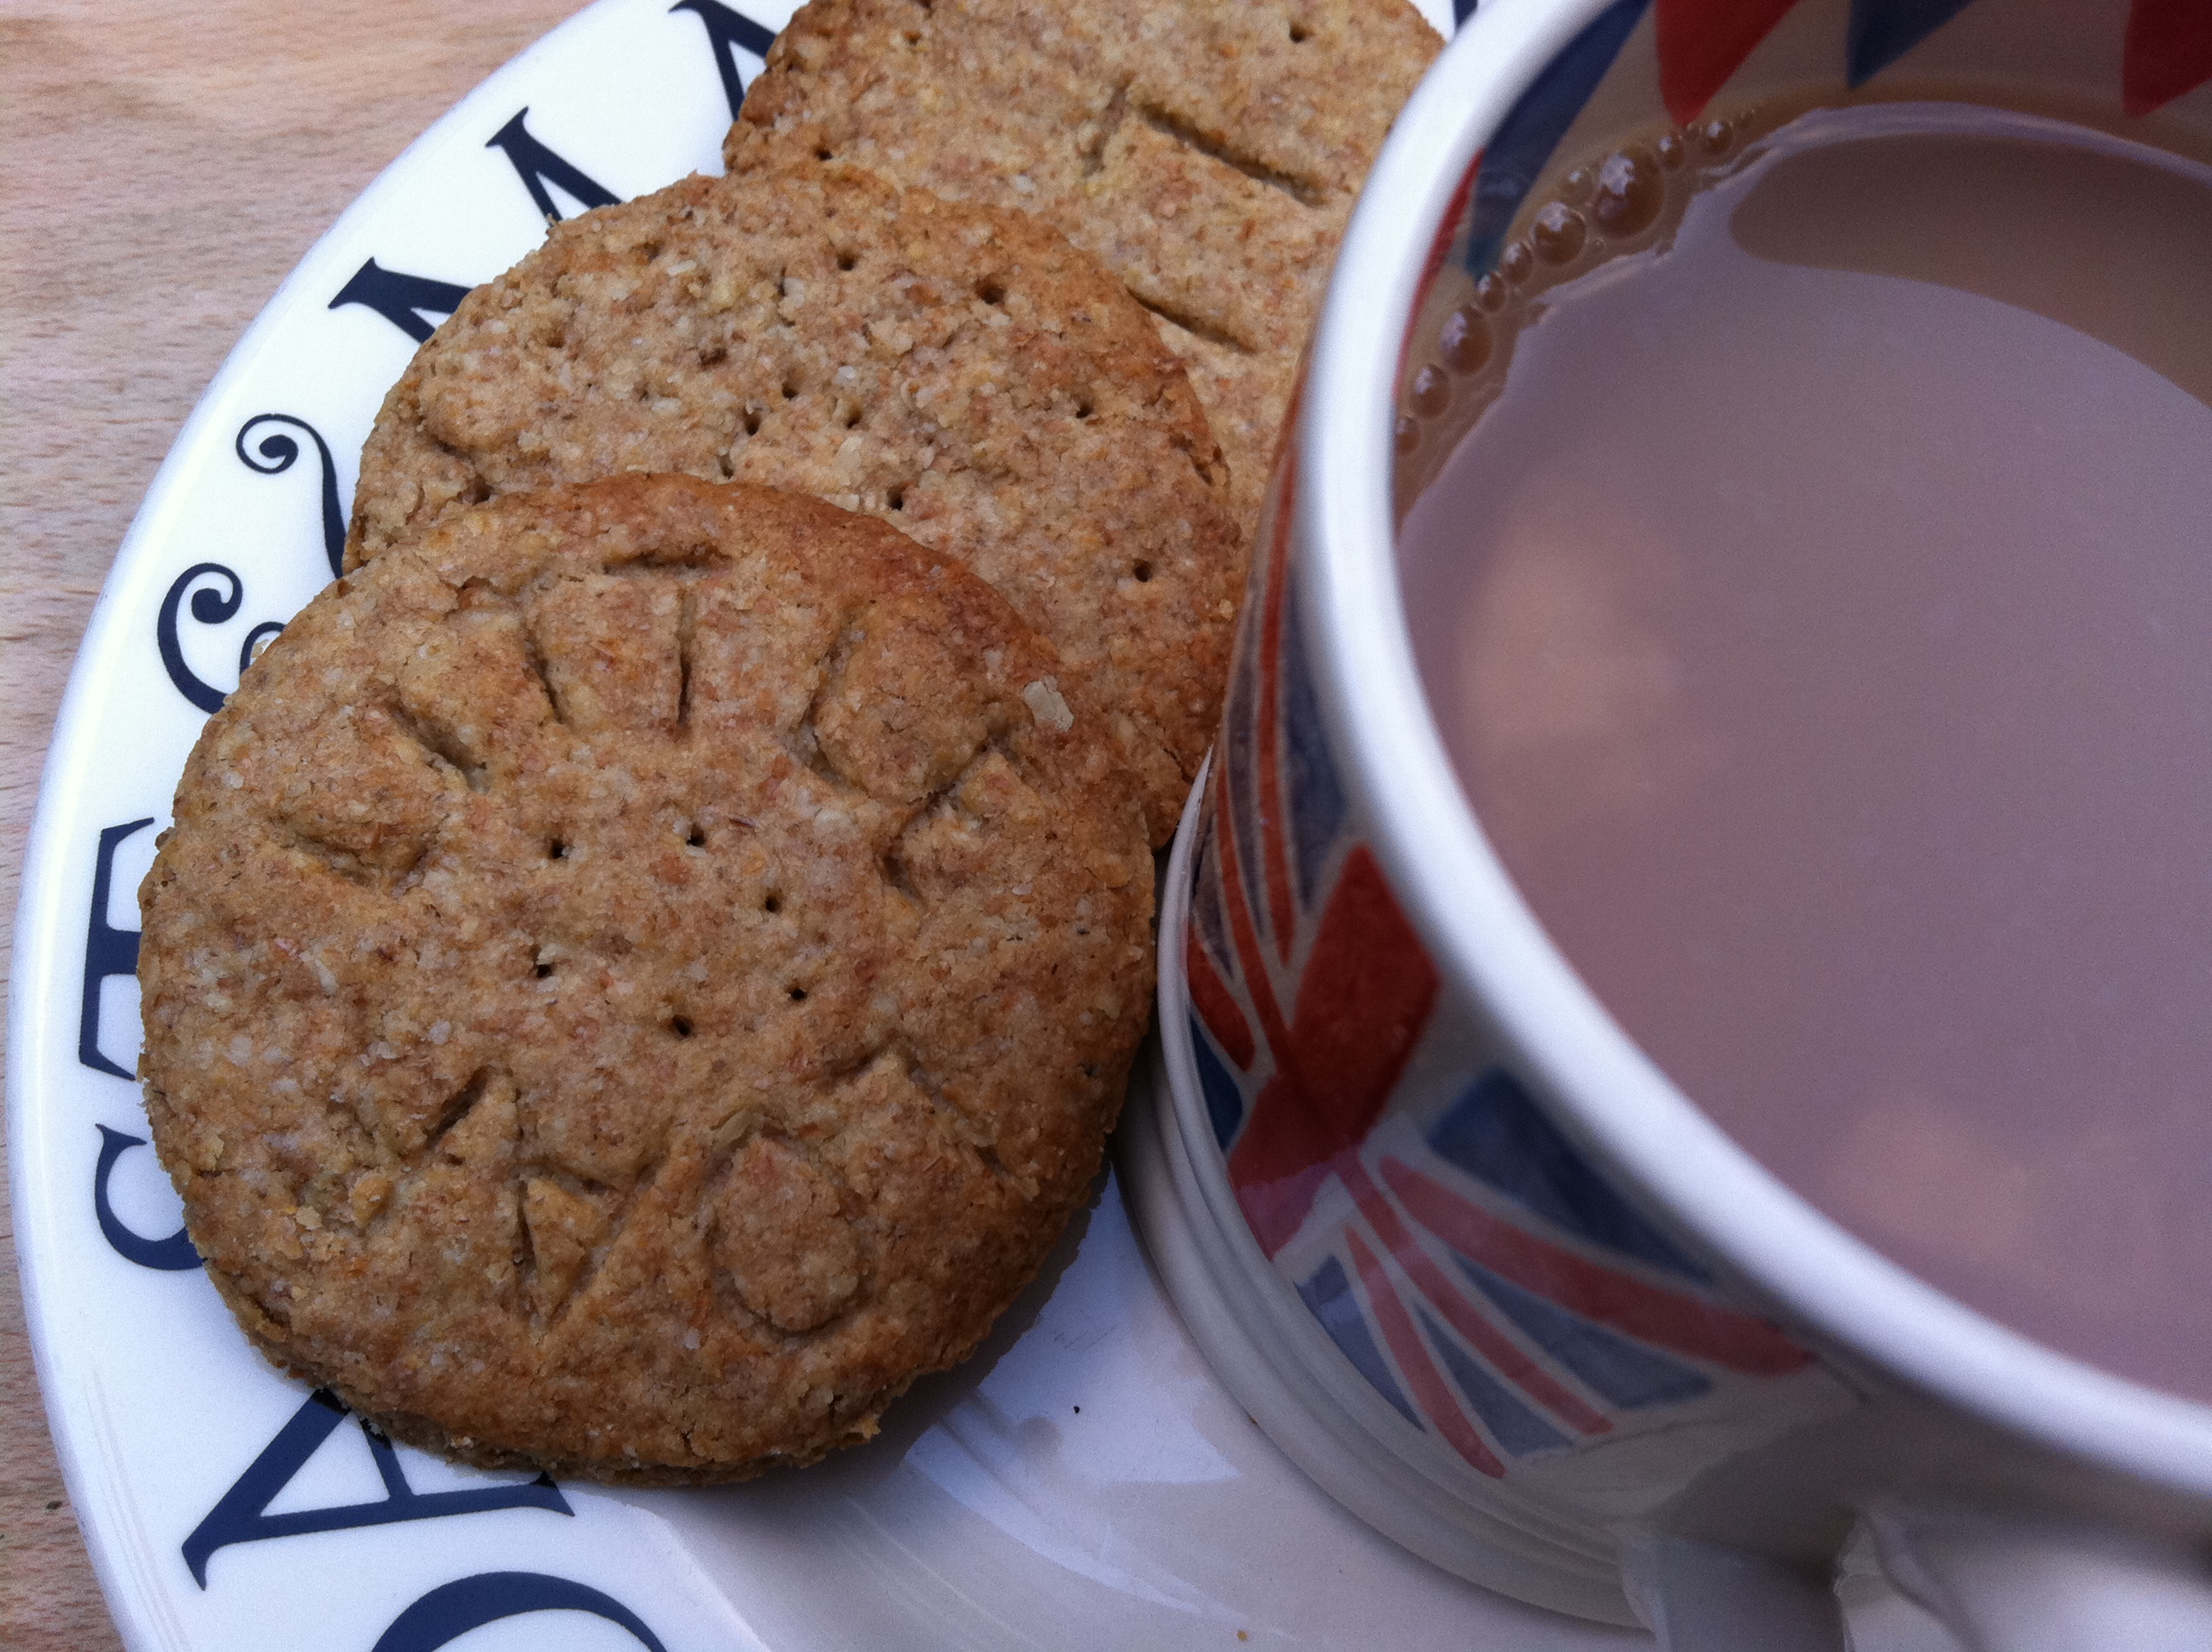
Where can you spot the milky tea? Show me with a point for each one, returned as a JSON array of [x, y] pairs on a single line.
[[1811, 576]]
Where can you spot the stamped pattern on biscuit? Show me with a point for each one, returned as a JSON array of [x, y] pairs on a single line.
[[960, 372], [229, 1509], [638, 975], [1208, 152]]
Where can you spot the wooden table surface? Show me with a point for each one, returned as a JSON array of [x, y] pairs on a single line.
[[163, 164]]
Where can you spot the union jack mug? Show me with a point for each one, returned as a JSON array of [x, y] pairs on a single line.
[[1467, 1255]]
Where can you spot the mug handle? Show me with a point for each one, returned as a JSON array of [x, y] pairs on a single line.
[[2016, 1582]]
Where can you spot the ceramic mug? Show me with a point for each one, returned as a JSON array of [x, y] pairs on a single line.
[[1469, 1257]]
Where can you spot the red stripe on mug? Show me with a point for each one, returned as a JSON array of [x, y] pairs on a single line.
[[1665, 1319], [1420, 1373]]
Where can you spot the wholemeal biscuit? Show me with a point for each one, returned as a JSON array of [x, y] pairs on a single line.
[[963, 373], [1207, 151], [638, 975]]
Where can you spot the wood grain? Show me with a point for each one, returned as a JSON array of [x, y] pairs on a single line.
[[163, 165]]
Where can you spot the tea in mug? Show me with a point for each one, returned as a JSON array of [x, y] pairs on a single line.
[[1817, 608]]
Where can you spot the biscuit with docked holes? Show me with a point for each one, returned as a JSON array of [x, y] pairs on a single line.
[[1207, 151], [640, 973], [961, 371]]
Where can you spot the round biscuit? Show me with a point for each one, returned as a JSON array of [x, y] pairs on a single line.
[[1208, 152], [961, 371], [639, 973]]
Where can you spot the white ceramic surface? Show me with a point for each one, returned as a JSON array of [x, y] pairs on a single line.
[[1085, 1482]]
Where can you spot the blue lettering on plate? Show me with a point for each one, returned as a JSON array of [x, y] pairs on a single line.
[[173, 1254], [108, 950], [402, 299], [451, 1610], [241, 1516], [537, 166], [727, 31]]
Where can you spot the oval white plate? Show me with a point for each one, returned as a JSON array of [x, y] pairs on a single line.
[[1082, 1482]]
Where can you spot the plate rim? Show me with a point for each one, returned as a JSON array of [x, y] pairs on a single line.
[[48, 909], [39, 926]]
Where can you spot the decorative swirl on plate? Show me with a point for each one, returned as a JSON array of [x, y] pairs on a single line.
[[280, 451], [209, 607]]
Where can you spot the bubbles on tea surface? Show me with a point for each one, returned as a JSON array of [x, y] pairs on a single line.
[[1559, 234], [1620, 201], [1631, 191], [1682, 744], [1432, 393], [1464, 345]]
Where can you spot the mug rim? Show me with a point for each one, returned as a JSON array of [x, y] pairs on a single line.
[[1484, 935]]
